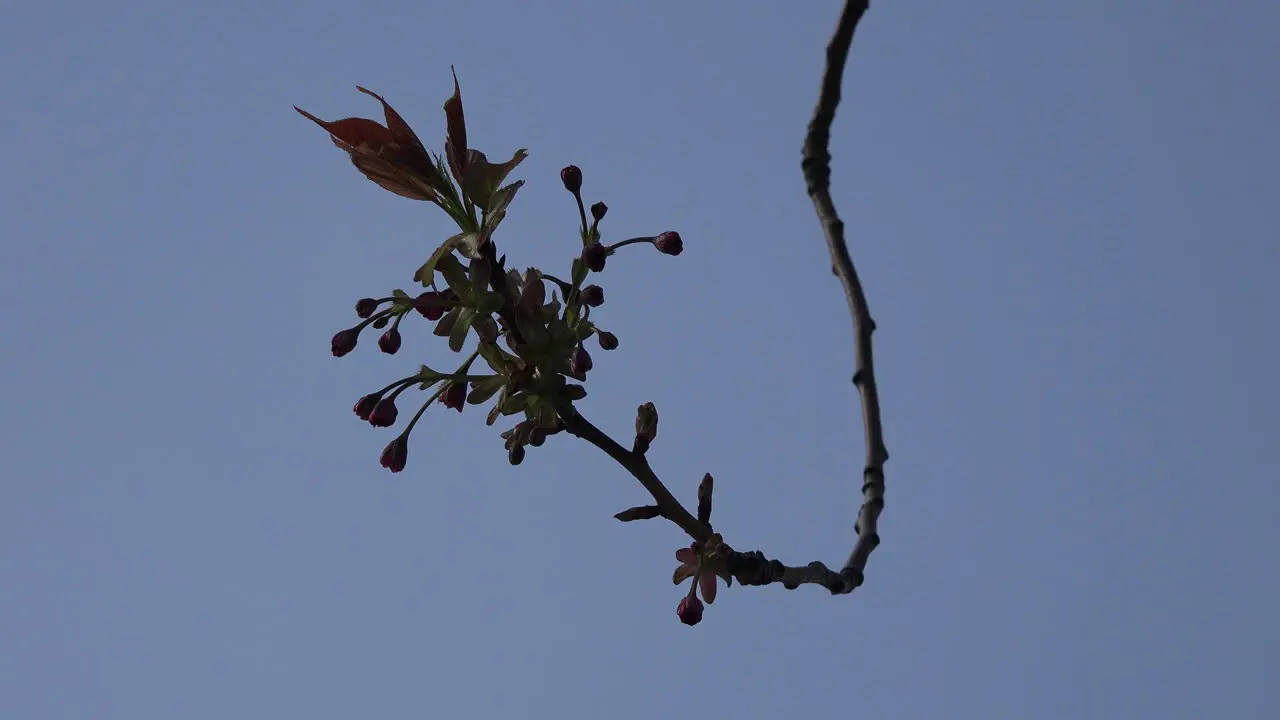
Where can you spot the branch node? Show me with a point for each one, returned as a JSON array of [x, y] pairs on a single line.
[[640, 512], [646, 428]]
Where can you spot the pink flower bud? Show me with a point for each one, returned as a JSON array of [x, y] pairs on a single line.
[[669, 243], [593, 295], [455, 396], [598, 210], [344, 342], [580, 362], [571, 176], [364, 406], [366, 307], [690, 610], [395, 454], [389, 343], [593, 256], [384, 413]]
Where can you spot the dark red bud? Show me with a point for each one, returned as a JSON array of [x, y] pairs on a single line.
[[593, 295], [580, 362], [366, 307], [344, 342], [395, 454], [381, 322], [431, 305], [455, 396], [571, 176], [690, 610], [389, 343], [384, 413], [669, 243], [364, 406], [593, 256], [608, 341], [515, 455], [598, 210]]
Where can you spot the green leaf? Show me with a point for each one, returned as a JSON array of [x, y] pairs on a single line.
[[482, 390], [489, 302], [482, 178], [498, 209], [498, 359], [480, 274], [455, 275], [429, 377], [445, 325], [401, 298], [514, 403], [578, 272], [458, 335], [466, 242]]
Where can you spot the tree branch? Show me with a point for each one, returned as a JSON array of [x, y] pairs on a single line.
[[753, 567], [816, 164]]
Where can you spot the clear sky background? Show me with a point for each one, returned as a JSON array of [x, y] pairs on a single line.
[[1064, 215]]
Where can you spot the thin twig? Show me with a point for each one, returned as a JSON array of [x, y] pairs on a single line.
[[817, 174], [753, 567]]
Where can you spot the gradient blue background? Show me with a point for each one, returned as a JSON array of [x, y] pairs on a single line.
[[1064, 217]]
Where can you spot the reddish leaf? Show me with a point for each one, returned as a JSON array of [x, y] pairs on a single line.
[[456, 137], [399, 129], [707, 582], [353, 133], [390, 177], [686, 555]]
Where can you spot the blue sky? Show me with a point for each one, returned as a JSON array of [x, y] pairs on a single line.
[[1061, 215]]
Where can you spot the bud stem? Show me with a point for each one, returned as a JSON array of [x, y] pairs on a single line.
[[648, 239]]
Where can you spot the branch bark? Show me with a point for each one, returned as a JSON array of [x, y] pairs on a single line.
[[816, 164]]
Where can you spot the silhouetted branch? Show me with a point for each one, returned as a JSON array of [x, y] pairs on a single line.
[[753, 567], [817, 175]]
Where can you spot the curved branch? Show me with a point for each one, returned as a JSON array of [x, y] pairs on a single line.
[[753, 567], [816, 164]]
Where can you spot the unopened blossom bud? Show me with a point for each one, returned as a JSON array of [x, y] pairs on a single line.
[[364, 406], [594, 255], [384, 413], [608, 341], [366, 307], [580, 361], [690, 610], [396, 454], [593, 295], [669, 243], [598, 210], [571, 176], [455, 396], [430, 305], [515, 455], [381, 322], [344, 342], [389, 343]]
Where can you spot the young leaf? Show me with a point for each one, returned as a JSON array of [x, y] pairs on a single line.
[[480, 273], [455, 275], [482, 390], [456, 133], [463, 241], [458, 334], [497, 358], [482, 178]]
